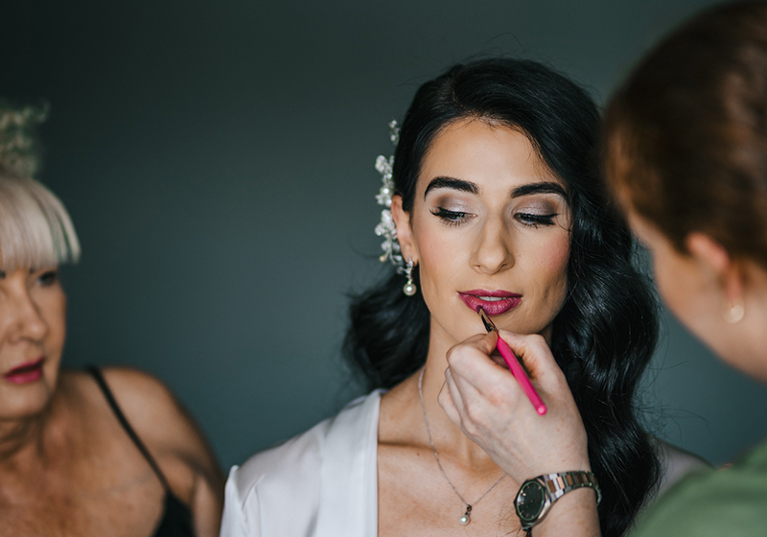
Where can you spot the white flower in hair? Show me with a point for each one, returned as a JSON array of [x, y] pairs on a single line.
[[384, 167], [386, 227], [394, 132]]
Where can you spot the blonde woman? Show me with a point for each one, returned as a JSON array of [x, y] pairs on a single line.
[[82, 453]]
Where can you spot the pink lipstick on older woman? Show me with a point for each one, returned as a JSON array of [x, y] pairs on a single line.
[[513, 362], [27, 372]]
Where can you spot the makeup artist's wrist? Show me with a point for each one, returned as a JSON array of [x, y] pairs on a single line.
[[548, 467]]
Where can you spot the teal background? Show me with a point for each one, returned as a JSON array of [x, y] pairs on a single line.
[[217, 159]]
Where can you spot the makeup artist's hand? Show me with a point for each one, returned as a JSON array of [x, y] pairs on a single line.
[[484, 399]]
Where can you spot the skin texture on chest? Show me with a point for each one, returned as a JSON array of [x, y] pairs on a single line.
[[414, 498], [133, 509], [82, 477]]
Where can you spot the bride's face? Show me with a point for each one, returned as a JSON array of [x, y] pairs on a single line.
[[489, 228]]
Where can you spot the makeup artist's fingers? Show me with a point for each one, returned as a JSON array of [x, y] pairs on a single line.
[[464, 405], [473, 385], [475, 351], [474, 402], [452, 399], [534, 352], [488, 404], [483, 343], [470, 355], [470, 363]]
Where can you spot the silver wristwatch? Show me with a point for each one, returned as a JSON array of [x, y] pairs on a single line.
[[536, 495]]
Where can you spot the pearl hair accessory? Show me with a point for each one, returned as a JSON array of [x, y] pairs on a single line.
[[386, 227]]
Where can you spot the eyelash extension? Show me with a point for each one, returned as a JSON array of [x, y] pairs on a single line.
[[451, 218], [537, 220]]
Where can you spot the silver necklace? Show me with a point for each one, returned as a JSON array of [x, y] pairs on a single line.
[[466, 518]]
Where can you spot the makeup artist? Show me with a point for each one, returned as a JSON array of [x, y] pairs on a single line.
[[492, 199], [99, 453], [686, 158]]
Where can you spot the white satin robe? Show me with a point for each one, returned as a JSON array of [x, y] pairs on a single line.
[[322, 483]]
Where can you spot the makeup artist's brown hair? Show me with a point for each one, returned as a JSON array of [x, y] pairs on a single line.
[[686, 134]]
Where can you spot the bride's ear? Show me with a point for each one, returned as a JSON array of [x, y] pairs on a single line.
[[404, 230]]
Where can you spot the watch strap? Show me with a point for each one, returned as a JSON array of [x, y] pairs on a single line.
[[559, 484], [554, 487]]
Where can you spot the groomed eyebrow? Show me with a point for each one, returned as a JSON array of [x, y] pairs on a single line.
[[544, 187], [455, 184]]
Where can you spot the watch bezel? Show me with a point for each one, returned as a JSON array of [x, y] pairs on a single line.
[[551, 487], [544, 504]]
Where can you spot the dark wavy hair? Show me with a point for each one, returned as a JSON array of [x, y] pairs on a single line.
[[604, 335]]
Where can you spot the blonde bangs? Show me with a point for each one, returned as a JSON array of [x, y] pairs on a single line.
[[35, 228]]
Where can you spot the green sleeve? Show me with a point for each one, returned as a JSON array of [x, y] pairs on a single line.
[[730, 502]]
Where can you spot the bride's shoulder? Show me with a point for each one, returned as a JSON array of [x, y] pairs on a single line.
[[279, 491]]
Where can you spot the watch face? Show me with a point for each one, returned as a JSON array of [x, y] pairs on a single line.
[[530, 501]]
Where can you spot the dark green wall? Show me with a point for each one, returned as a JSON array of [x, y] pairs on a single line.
[[217, 158]]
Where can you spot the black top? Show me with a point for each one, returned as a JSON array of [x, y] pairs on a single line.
[[176, 520]]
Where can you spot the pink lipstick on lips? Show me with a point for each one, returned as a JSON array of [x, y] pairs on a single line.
[[492, 302], [28, 372]]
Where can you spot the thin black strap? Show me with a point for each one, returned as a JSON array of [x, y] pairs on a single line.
[[96, 373]]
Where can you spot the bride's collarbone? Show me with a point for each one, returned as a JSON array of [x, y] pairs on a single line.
[[414, 498]]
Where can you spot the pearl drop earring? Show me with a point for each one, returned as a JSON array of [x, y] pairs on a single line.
[[735, 313], [409, 289]]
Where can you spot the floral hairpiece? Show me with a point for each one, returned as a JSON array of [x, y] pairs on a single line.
[[386, 227], [18, 138]]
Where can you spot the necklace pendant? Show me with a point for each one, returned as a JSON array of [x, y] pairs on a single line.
[[466, 518]]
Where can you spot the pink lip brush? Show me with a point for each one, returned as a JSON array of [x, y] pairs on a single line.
[[513, 362]]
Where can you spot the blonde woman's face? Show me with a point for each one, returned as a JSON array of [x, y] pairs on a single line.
[[32, 331], [489, 228]]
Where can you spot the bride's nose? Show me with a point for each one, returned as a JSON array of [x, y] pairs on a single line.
[[493, 250]]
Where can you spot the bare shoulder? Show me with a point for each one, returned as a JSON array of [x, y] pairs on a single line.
[[147, 403], [160, 420], [174, 439], [150, 406], [133, 386]]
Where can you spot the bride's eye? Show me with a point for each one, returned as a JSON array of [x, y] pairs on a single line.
[[536, 220], [449, 217]]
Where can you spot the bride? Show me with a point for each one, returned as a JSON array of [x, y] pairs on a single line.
[[492, 200]]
